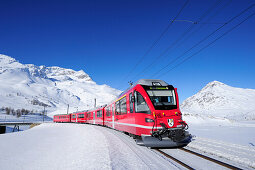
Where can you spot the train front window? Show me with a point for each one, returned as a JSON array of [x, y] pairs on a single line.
[[163, 99]]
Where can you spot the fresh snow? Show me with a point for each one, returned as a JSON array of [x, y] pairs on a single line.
[[228, 140], [76, 146], [221, 119]]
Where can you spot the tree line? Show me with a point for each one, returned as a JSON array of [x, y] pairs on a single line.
[[17, 112]]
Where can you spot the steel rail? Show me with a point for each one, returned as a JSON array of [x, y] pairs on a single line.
[[210, 159], [174, 159]]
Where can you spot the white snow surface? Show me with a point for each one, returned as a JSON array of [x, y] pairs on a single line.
[[219, 100], [76, 146], [232, 141], [22, 84]]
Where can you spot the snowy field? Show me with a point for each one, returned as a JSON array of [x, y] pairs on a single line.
[[81, 146], [230, 140], [75, 146]]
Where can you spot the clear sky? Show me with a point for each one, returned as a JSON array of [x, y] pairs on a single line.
[[107, 38]]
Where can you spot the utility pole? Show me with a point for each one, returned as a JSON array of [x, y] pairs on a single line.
[[95, 103], [43, 112], [67, 108]]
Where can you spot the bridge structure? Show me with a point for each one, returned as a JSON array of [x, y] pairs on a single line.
[[16, 125]]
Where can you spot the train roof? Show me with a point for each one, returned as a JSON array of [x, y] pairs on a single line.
[[146, 82], [151, 82], [61, 114], [96, 108]]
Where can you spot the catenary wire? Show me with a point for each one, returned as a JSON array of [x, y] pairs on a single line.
[[212, 42], [205, 38], [157, 40], [179, 38]]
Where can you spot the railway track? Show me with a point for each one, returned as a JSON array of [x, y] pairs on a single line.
[[223, 164]]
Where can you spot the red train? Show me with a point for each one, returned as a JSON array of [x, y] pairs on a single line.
[[148, 111]]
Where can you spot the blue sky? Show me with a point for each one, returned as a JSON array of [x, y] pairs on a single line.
[[106, 39]]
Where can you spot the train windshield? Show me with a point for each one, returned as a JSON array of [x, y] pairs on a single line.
[[163, 99]]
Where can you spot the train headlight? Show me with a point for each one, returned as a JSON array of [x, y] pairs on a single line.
[[149, 120]]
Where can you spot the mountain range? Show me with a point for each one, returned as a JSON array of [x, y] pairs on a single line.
[[33, 87], [217, 99]]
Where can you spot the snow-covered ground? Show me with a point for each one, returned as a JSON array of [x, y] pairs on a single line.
[[76, 146], [222, 120], [230, 140], [81, 146]]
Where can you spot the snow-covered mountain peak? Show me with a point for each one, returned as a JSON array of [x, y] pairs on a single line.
[[8, 62], [6, 59], [214, 86], [219, 99], [215, 83], [62, 74]]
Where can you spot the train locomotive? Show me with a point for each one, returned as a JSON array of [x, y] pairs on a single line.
[[148, 111]]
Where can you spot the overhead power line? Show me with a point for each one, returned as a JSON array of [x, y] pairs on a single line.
[[157, 40], [212, 42], [156, 59], [229, 21], [209, 44]]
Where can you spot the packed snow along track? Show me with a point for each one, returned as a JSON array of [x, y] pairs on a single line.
[[244, 155], [76, 146]]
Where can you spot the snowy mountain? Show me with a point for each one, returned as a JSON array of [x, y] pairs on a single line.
[[32, 87], [217, 99]]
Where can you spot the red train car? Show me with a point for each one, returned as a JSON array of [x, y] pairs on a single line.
[[109, 116], [99, 116], [73, 117], [90, 118], [150, 110], [81, 117], [62, 118]]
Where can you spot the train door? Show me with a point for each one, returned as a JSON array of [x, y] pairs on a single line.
[[94, 117], [112, 115]]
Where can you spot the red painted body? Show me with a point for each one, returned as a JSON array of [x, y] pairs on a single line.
[[73, 117], [62, 118], [81, 117], [140, 110]]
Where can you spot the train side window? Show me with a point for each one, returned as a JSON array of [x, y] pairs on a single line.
[[117, 108], [123, 105], [108, 112], [131, 103], [112, 109], [99, 113], [140, 104], [81, 116]]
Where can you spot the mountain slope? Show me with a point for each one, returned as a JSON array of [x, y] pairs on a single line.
[[29, 86], [220, 100]]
